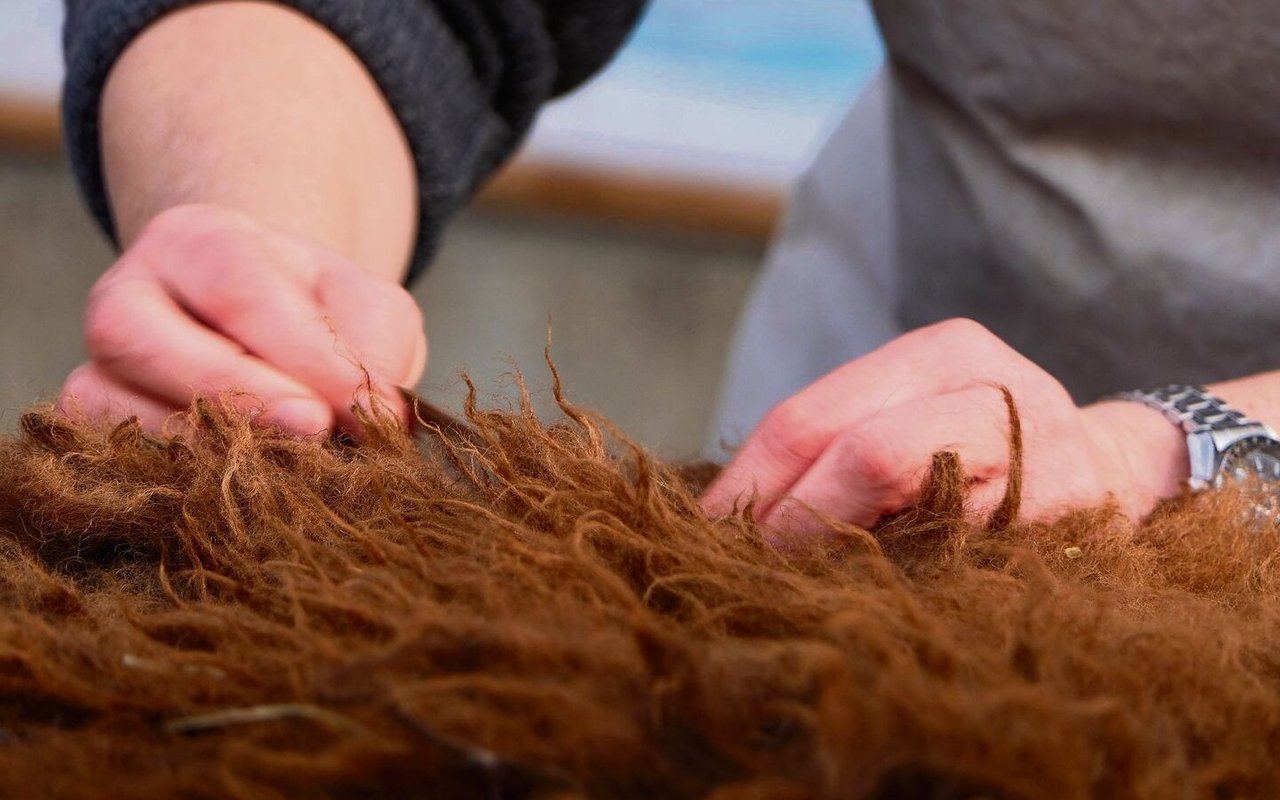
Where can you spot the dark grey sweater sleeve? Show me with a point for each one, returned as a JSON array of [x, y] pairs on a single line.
[[464, 77]]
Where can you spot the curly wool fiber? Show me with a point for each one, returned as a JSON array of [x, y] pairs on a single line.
[[542, 611]]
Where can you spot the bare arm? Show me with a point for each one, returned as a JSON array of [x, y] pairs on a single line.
[[254, 107], [265, 197]]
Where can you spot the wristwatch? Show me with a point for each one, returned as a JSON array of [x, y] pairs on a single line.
[[1225, 446]]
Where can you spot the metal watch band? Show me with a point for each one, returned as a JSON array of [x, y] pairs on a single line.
[[1191, 407]]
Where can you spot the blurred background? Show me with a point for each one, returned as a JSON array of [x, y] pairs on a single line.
[[633, 221]]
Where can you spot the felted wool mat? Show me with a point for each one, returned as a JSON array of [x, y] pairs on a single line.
[[542, 611]]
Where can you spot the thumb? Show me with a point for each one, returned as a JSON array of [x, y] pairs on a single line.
[[377, 324], [417, 364]]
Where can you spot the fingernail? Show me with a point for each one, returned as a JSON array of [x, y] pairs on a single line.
[[306, 417], [387, 401], [418, 365]]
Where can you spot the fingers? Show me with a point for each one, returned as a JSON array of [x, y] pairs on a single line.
[[939, 359], [336, 334], [878, 466], [381, 324], [143, 341], [91, 394], [207, 301]]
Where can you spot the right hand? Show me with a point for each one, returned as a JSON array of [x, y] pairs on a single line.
[[208, 302]]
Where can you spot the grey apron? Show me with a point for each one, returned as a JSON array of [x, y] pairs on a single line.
[[1097, 182]]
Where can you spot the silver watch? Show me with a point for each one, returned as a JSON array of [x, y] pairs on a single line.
[[1225, 446]]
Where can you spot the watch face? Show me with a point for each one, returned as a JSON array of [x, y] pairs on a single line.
[[1256, 458], [1254, 464]]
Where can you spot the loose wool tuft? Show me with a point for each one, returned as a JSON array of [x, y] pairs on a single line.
[[542, 611]]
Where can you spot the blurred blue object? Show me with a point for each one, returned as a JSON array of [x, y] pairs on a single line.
[[729, 91], [811, 51], [723, 91]]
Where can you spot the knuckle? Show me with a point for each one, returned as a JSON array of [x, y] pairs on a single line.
[[236, 256], [873, 464], [966, 337], [984, 471], [205, 237], [788, 434], [107, 333], [966, 330], [239, 284], [227, 300], [868, 460]]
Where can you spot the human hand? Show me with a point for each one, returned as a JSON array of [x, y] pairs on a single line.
[[206, 301], [857, 444]]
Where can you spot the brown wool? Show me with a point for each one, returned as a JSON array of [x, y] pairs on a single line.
[[542, 611]]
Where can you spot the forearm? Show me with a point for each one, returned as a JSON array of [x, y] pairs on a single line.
[[1258, 396], [252, 106]]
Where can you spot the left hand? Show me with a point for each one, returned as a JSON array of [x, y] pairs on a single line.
[[209, 301], [857, 444]]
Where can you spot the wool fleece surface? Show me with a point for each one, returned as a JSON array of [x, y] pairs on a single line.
[[530, 610]]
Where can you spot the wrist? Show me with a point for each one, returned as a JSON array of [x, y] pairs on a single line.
[[1144, 449]]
